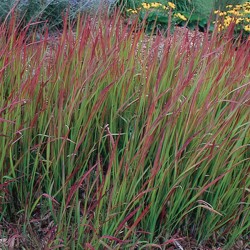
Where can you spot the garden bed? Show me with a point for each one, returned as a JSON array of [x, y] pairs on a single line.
[[115, 139]]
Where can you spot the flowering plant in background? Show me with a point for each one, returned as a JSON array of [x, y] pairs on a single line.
[[238, 15], [158, 15]]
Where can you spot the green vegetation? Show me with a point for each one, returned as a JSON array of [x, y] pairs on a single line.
[[50, 12], [166, 16], [110, 143], [33, 10], [236, 17], [222, 4], [158, 16]]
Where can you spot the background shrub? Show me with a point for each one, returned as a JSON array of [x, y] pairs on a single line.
[[221, 4], [51, 10], [200, 7]]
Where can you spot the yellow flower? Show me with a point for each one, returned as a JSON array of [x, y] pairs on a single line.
[[182, 17], [221, 27], [232, 12], [132, 11], [171, 5], [227, 23], [246, 4], [222, 13], [237, 13], [164, 7], [146, 6], [156, 5], [238, 20], [228, 18], [216, 12], [247, 28], [229, 6]]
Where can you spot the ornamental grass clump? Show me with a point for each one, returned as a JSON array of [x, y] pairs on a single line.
[[104, 145], [235, 16]]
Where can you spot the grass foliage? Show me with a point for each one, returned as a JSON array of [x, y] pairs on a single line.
[[106, 145], [52, 11]]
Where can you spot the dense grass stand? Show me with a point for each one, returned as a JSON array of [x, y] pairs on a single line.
[[106, 145]]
